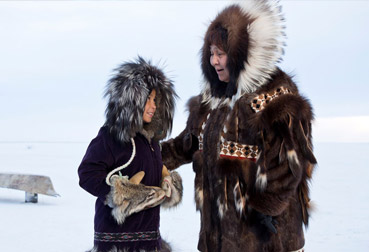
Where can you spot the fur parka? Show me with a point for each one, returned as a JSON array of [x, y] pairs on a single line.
[[126, 226], [249, 140]]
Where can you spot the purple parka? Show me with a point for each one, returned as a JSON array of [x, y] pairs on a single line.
[[103, 155], [127, 94]]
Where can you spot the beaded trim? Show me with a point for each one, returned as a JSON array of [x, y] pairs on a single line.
[[260, 101], [230, 149], [237, 150], [127, 237]]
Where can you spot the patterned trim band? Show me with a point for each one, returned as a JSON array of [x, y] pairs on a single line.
[[260, 101], [237, 150], [231, 149], [127, 237]]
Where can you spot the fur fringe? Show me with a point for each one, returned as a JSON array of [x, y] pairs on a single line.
[[252, 55], [127, 94], [165, 247]]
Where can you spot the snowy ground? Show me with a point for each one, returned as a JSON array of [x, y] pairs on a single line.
[[339, 223]]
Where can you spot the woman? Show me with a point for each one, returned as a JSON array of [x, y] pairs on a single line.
[[249, 137], [139, 114]]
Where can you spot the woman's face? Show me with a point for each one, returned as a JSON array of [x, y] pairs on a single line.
[[150, 107], [218, 59]]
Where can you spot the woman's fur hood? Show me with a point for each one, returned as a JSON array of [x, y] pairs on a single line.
[[255, 44], [127, 93]]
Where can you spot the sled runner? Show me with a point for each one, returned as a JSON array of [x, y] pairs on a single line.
[[31, 184]]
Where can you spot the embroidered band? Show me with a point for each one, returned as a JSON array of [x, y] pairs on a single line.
[[127, 237], [231, 149], [260, 101], [237, 150]]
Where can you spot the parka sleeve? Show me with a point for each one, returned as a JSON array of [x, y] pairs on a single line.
[[286, 160], [95, 166], [179, 150]]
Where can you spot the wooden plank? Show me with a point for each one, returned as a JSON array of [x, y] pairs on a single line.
[[33, 184]]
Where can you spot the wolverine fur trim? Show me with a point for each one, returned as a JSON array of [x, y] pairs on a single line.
[[255, 44], [127, 94]]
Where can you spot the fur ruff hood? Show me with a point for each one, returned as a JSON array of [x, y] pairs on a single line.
[[255, 42], [127, 93]]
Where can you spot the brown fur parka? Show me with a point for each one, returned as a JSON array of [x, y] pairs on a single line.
[[252, 148]]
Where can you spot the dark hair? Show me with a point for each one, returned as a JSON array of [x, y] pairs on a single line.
[[218, 37]]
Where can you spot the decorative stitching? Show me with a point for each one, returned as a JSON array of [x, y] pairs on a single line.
[[230, 149], [260, 101], [127, 237], [237, 150]]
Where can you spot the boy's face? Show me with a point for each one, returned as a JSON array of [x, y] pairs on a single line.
[[150, 107]]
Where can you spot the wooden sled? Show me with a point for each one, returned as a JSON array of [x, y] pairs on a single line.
[[31, 184]]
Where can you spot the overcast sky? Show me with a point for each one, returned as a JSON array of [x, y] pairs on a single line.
[[56, 57]]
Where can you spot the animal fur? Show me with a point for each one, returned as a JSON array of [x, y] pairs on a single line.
[[231, 193], [165, 247], [172, 185], [256, 40], [127, 198], [127, 94]]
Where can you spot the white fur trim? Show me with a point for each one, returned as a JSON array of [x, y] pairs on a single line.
[[266, 48], [267, 31]]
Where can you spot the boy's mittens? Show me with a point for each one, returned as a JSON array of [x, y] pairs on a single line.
[[129, 196], [172, 185]]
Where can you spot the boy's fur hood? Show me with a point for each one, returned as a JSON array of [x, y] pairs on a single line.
[[255, 44], [127, 93]]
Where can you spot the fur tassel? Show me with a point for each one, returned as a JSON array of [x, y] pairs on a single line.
[[261, 176], [240, 199], [304, 143]]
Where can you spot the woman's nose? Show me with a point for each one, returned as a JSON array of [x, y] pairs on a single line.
[[214, 60]]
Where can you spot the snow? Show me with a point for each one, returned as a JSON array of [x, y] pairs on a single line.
[[339, 222]]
